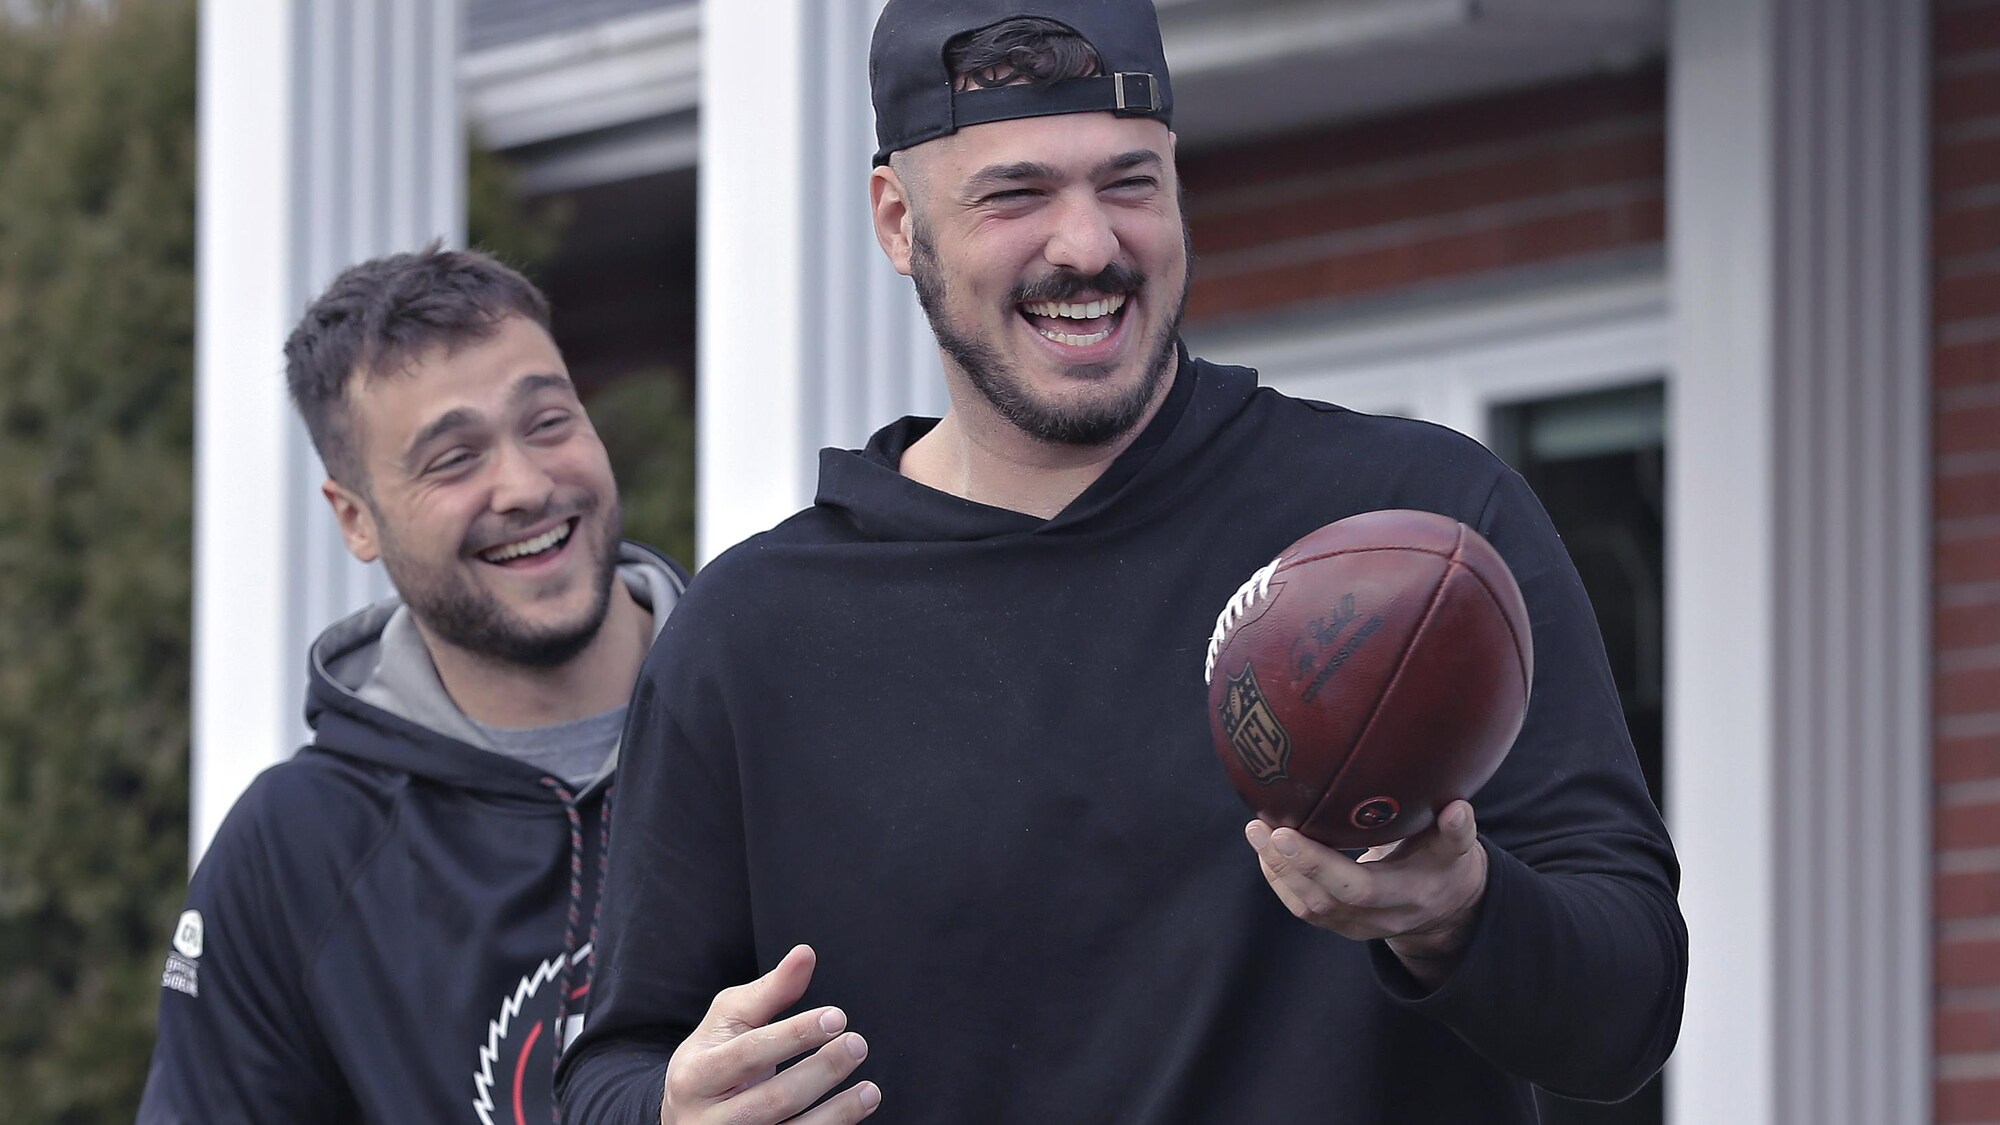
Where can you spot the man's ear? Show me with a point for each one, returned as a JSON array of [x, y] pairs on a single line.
[[889, 197], [356, 518]]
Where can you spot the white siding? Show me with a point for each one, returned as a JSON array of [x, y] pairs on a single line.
[[329, 133]]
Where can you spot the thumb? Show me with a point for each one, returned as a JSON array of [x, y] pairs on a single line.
[[757, 1003], [1459, 828]]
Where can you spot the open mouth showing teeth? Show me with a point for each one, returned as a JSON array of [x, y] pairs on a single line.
[[1076, 324], [528, 548]]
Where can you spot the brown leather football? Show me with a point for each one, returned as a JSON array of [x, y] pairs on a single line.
[[1371, 674]]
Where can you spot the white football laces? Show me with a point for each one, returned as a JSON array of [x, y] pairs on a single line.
[[1254, 589]]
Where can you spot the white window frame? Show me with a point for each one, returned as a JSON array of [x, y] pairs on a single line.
[[1454, 367]]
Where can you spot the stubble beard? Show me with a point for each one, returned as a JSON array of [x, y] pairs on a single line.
[[1092, 423], [459, 612]]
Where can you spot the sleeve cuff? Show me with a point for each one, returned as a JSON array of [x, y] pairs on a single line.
[[1482, 956]]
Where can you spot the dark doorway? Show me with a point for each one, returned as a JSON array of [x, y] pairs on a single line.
[[1597, 460]]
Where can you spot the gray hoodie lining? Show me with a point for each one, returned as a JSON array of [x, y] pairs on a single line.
[[394, 672]]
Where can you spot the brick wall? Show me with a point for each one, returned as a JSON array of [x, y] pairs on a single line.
[[1966, 381], [1551, 175]]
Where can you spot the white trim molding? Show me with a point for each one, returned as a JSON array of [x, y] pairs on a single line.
[[604, 102], [1797, 570], [330, 133], [1450, 364], [242, 421], [808, 337], [596, 77]]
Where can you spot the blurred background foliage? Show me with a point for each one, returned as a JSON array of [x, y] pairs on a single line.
[[647, 424], [97, 167], [97, 243]]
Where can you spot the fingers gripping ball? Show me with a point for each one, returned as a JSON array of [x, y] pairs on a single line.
[[1371, 674]]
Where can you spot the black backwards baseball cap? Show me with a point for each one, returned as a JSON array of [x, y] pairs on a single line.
[[912, 88]]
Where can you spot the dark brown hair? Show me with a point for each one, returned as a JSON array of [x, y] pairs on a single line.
[[1026, 49], [379, 316]]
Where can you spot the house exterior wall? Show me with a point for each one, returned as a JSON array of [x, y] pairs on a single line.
[[1557, 175], [1965, 234]]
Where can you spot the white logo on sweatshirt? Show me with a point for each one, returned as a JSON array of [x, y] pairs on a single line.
[[183, 971], [187, 935], [518, 1058]]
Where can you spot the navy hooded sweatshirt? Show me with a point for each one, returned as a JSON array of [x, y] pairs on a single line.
[[964, 753], [387, 927]]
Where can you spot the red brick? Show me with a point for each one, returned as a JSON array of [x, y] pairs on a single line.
[[1966, 626], [1967, 1030], [1971, 826], [1970, 894], [1965, 230], [1967, 365], [1393, 267], [1565, 236], [1967, 164], [1967, 429], [1967, 495], [1964, 1101], [1958, 98], [1634, 160], [1532, 113], [1967, 31], [1973, 758], [1966, 296], [1968, 560], [1969, 691], [1649, 221], [1963, 963]]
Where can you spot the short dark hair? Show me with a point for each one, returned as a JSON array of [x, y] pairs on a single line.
[[379, 316], [1025, 49]]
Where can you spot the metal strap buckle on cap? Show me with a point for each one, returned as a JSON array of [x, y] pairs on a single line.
[[1124, 85], [1125, 94]]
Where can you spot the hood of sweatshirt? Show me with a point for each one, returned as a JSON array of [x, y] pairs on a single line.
[[373, 693], [868, 487]]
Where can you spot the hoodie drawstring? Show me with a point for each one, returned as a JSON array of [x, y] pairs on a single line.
[[575, 916]]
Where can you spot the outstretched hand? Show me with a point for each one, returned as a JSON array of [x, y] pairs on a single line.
[[1421, 894], [727, 1070]]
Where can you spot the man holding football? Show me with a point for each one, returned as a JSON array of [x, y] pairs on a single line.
[[946, 730]]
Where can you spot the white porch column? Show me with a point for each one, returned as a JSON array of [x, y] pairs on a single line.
[[329, 133], [1797, 578], [808, 337]]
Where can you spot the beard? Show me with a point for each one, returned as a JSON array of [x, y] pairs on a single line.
[[464, 614], [1090, 423]]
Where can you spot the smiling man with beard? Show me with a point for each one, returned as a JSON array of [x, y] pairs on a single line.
[[395, 925], [936, 750]]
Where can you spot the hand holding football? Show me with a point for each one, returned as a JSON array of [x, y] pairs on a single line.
[[1374, 672]]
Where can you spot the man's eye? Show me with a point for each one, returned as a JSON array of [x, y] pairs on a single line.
[[550, 422], [1135, 183], [448, 462], [1017, 195]]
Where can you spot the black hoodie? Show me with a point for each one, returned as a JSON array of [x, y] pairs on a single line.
[[386, 927], [964, 753]]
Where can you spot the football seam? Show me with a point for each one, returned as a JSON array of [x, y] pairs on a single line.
[[1338, 551], [1455, 558], [1527, 678], [1402, 662]]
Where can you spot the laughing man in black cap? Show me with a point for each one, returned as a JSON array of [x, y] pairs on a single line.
[[935, 749]]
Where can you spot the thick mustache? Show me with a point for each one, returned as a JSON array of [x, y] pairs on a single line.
[[1114, 280]]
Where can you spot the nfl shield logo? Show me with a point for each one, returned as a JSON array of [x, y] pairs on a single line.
[[1261, 744]]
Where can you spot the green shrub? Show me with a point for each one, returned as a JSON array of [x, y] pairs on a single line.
[[97, 169]]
